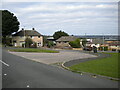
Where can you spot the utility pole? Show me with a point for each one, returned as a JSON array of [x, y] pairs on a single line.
[[103, 42], [24, 36]]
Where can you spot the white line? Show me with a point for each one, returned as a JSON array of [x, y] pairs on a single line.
[[4, 63]]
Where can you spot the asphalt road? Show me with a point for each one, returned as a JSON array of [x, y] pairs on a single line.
[[22, 73]]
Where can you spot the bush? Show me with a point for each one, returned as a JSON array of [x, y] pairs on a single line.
[[100, 48], [7, 41], [34, 45], [28, 42], [106, 48], [84, 41], [75, 44], [50, 44], [103, 48]]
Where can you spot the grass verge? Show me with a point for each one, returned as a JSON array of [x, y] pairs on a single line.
[[105, 66], [33, 50]]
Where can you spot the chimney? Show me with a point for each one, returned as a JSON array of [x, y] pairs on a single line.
[[22, 28], [33, 28]]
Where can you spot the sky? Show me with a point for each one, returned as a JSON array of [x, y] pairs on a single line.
[[75, 18]]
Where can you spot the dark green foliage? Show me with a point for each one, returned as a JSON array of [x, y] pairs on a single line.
[[7, 41], [84, 41], [10, 23], [28, 42], [106, 48], [50, 44], [75, 44], [103, 48], [45, 41], [100, 48], [58, 34]]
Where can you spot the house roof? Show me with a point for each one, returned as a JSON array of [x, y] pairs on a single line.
[[97, 41], [67, 38], [114, 43], [27, 33]]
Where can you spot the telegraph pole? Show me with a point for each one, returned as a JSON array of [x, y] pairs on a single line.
[[103, 42], [24, 36]]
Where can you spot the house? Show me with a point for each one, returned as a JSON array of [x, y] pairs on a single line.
[[113, 44], [18, 39], [96, 42], [64, 41]]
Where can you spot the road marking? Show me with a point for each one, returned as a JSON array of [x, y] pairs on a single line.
[[4, 63]]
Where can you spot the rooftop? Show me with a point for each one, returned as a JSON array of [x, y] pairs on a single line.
[[23, 32], [67, 38]]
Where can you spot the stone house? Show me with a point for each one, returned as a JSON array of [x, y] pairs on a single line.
[[18, 39], [64, 41]]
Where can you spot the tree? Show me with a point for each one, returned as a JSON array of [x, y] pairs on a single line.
[[75, 44], [28, 42], [50, 44], [10, 23], [58, 34]]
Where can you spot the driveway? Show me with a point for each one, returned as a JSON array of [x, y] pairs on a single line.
[[50, 58]]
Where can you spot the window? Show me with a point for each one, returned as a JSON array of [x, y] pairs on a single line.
[[39, 44], [32, 36], [38, 36]]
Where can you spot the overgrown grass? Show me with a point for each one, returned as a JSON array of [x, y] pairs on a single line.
[[106, 66], [33, 50]]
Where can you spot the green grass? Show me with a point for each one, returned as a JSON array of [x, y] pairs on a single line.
[[105, 66], [33, 50]]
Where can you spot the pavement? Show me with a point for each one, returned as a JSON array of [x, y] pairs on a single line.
[[50, 58], [24, 73]]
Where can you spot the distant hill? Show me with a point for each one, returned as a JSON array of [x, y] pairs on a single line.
[[106, 37]]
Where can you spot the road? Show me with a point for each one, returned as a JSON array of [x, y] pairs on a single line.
[[23, 73]]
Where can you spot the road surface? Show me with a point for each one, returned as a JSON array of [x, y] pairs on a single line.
[[50, 58], [23, 73]]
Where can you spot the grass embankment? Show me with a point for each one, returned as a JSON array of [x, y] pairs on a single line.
[[33, 50], [105, 66]]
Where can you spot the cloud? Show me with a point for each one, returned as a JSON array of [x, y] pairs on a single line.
[[61, 0], [71, 17]]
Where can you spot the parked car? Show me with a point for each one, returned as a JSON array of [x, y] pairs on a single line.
[[87, 48]]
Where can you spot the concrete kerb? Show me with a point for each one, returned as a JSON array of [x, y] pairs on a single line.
[[91, 74]]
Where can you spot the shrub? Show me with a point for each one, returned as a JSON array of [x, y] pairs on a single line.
[[75, 44], [84, 41], [34, 45], [7, 41], [100, 48], [106, 48], [28, 42], [50, 44]]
